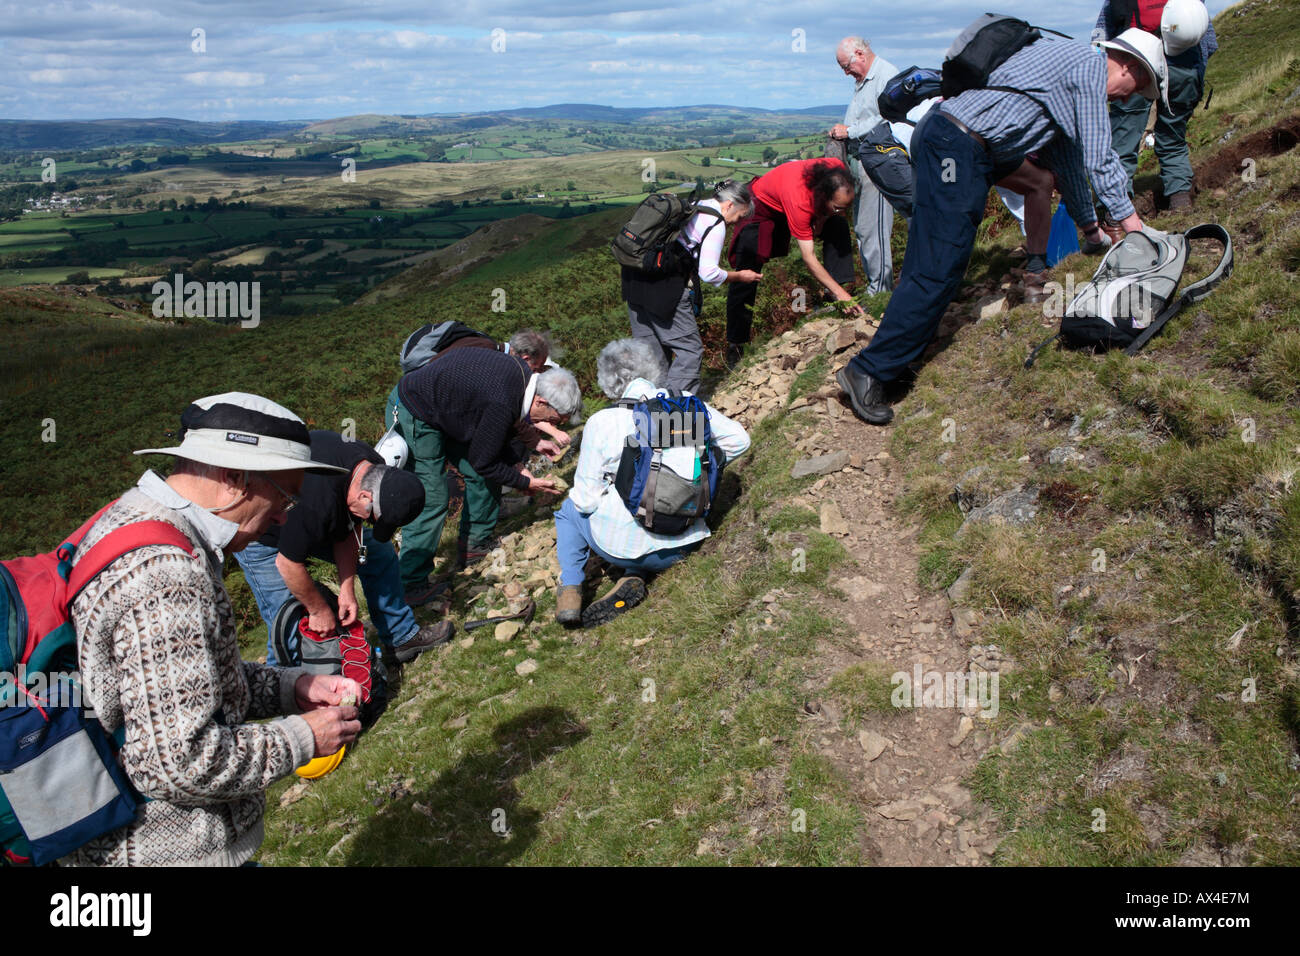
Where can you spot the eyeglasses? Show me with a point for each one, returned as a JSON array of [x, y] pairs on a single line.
[[289, 500]]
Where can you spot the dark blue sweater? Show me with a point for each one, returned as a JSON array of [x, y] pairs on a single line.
[[473, 396]]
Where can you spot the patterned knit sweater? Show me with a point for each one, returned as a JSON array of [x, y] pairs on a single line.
[[158, 655]]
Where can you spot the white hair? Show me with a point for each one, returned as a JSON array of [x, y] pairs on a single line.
[[623, 360], [559, 389]]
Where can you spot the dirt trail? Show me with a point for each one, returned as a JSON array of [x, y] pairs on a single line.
[[906, 765]]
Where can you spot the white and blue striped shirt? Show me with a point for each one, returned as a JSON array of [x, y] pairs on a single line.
[[1064, 117]]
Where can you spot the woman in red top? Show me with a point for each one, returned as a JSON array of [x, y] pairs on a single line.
[[804, 199]]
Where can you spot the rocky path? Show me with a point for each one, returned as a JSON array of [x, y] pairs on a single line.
[[906, 764]]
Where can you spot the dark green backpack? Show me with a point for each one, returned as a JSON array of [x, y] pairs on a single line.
[[648, 241]]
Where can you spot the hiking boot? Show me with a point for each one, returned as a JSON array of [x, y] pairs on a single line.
[[734, 355], [1113, 229], [1035, 285], [424, 593], [626, 594], [473, 554], [431, 635], [568, 605], [1097, 248], [1181, 201], [866, 395]]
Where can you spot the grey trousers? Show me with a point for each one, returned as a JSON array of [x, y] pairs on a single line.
[[873, 223], [678, 336]]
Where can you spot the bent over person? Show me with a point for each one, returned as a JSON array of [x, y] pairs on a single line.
[[803, 199], [329, 523], [464, 409], [971, 141], [159, 656]]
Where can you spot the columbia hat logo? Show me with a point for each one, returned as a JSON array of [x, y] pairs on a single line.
[[242, 438]]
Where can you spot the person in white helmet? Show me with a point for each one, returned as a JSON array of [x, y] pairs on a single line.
[[1184, 28], [975, 139]]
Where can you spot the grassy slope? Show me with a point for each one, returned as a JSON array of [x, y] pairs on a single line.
[[588, 772], [1160, 583]]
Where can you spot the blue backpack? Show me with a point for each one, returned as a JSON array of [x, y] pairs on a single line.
[[661, 499]]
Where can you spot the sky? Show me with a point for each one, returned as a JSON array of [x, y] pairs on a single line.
[[291, 60]]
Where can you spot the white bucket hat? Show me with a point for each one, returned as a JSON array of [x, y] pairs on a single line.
[[245, 432], [1151, 52]]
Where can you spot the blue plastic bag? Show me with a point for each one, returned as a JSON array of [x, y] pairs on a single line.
[[1063, 240]]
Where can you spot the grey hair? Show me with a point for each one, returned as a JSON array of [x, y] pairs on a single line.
[[559, 389], [373, 478], [738, 194], [199, 469], [623, 360], [526, 342], [849, 45]]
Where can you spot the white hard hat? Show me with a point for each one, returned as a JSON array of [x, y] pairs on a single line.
[[1182, 24], [392, 448], [1147, 48]]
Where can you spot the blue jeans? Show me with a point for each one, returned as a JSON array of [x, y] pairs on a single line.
[[380, 582], [574, 543], [953, 176]]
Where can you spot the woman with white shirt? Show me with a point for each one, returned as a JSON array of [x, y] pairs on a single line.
[[663, 311], [594, 517]]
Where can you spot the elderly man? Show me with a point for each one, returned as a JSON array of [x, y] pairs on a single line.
[[328, 523], [465, 408], [873, 216], [966, 144], [158, 651], [594, 517]]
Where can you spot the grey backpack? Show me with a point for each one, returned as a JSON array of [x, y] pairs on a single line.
[[1132, 293]]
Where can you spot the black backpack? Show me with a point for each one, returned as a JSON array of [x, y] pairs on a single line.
[[1131, 295], [648, 241], [983, 47], [905, 90]]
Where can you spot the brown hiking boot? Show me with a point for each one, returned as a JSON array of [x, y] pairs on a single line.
[[568, 605], [1181, 202], [1113, 229]]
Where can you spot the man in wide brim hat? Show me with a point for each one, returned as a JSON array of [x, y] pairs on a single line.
[[159, 657]]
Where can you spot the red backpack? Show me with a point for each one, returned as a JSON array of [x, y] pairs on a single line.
[[45, 810], [1146, 15]]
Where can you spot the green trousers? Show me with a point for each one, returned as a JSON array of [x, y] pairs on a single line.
[[1128, 121], [431, 451]]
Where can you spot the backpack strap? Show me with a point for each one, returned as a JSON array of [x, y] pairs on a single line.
[[131, 537], [1029, 362], [1197, 290]]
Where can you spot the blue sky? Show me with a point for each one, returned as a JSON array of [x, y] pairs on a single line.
[[88, 59]]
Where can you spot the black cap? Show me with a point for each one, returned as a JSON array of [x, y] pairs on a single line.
[[401, 499]]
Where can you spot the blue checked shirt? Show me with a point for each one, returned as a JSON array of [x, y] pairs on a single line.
[[1066, 122]]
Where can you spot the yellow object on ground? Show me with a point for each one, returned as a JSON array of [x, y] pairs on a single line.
[[318, 767]]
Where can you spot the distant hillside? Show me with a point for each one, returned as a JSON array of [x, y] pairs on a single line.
[[88, 134]]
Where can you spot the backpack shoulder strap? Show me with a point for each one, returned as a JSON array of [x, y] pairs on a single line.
[[131, 537], [1197, 290]]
